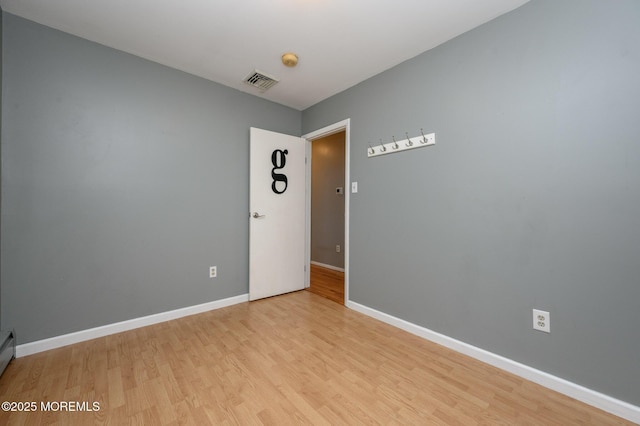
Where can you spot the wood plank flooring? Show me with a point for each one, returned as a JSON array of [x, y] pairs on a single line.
[[291, 359], [327, 283]]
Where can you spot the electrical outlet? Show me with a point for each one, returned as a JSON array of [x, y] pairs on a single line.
[[541, 321], [213, 271], [338, 248]]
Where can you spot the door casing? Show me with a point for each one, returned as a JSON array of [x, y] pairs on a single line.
[[309, 137]]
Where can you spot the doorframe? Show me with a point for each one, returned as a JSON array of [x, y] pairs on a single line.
[[344, 125]]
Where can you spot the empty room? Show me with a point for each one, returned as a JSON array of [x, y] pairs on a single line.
[[320, 212]]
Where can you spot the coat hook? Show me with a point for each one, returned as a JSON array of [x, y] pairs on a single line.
[[395, 144], [424, 138], [382, 147], [409, 143], [371, 150]]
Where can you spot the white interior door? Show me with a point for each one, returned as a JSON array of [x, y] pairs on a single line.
[[277, 218]]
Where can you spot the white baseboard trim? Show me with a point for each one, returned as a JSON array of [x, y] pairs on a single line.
[[324, 265], [604, 402], [118, 327]]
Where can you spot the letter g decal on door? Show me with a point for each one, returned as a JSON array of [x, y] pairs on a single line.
[[279, 160]]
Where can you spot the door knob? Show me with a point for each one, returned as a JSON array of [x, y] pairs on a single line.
[[257, 216]]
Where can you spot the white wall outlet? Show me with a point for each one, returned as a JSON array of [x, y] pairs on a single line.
[[338, 248], [213, 271], [541, 321]]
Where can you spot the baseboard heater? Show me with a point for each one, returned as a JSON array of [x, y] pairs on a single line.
[[7, 349]]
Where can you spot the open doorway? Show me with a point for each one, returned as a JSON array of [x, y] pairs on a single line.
[[328, 212], [327, 216]]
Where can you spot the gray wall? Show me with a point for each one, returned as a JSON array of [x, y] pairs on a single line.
[[327, 207], [530, 199], [122, 182]]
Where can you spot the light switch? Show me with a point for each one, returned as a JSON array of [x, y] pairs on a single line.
[[354, 187]]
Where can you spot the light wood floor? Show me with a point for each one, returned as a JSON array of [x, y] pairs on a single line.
[[292, 359], [327, 283]]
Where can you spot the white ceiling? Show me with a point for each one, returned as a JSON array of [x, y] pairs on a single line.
[[339, 42]]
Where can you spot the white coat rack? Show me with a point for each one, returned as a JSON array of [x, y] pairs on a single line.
[[403, 145]]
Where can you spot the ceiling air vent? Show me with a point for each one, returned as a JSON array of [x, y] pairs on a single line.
[[260, 80]]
